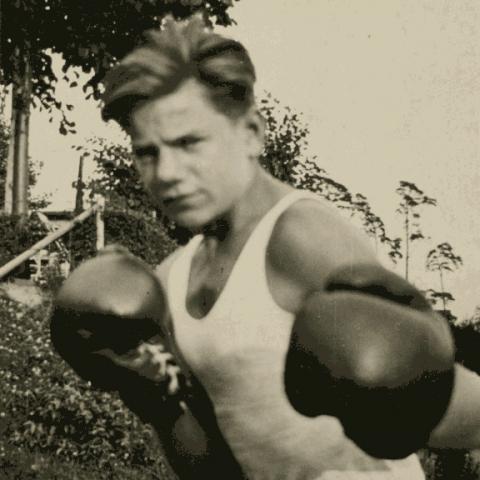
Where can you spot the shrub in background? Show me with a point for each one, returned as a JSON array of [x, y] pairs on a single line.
[[144, 236], [449, 465], [45, 408], [46, 411], [17, 236]]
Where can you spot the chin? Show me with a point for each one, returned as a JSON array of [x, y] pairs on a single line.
[[192, 220]]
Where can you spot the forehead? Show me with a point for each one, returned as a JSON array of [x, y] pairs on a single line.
[[186, 108]]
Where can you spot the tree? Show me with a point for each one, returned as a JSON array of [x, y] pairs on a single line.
[[411, 199], [285, 140], [285, 157], [476, 316], [33, 171], [375, 228], [435, 296], [285, 154], [91, 36], [4, 134], [442, 259], [115, 176]]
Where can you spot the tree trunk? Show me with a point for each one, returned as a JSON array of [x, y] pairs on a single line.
[[21, 101], [8, 194], [442, 288]]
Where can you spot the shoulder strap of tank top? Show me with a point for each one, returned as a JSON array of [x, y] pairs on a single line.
[[177, 280], [251, 261], [266, 225], [255, 247]]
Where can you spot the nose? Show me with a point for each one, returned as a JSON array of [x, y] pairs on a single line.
[[167, 170]]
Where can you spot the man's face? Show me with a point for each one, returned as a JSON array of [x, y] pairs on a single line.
[[195, 162]]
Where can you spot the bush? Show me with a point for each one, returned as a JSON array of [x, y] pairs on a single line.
[[143, 236], [17, 236], [449, 465], [46, 408], [46, 411]]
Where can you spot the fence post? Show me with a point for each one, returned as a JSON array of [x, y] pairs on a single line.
[[100, 224]]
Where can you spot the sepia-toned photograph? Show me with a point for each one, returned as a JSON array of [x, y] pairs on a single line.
[[239, 240]]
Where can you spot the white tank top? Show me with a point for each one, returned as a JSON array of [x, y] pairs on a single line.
[[238, 352]]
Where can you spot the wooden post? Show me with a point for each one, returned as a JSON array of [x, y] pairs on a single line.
[[79, 187], [100, 201]]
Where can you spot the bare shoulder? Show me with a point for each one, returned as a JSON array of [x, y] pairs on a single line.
[[162, 270], [308, 242]]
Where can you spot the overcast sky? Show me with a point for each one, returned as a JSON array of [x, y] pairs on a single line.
[[390, 91]]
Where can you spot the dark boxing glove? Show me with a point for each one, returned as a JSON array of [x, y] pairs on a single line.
[[370, 351], [105, 324], [113, 303]]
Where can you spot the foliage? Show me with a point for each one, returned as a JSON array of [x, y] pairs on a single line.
[[143, 236], [442, 259], [411, 199], [434, 296], [449, 465], [476, 316], [467, 342], [89, 35], [46, 408], [115, 177], [33, 172], [17, 236], [52, 278], [285, 140], [285, 157], [375, 228]]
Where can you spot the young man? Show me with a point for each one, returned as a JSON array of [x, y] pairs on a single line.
[[261, 251]]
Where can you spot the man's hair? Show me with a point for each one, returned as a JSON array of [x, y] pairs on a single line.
[[181, 51]]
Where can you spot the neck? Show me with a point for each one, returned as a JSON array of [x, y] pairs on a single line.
[[260, 195]]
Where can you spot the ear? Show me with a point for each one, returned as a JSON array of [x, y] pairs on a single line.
[[255, 129]]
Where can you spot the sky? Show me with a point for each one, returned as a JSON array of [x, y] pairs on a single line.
[[390, 91]]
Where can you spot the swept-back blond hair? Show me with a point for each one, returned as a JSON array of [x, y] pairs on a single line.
[[181, 51]]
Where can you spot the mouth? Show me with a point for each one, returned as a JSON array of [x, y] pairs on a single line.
[[179, 201]]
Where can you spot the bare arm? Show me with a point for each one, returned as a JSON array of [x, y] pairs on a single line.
[[460, 426], [309, 241], [373, 341]]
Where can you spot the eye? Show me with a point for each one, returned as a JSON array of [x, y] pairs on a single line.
[[145, 155], [187, 142]]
